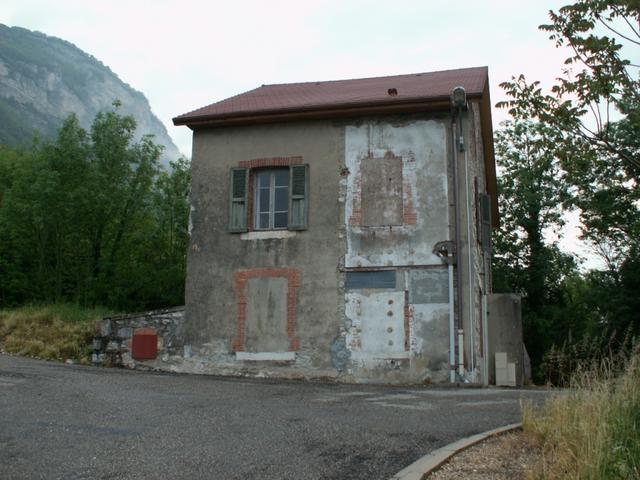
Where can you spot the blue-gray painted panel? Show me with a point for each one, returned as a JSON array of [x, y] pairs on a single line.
[[372, 279]]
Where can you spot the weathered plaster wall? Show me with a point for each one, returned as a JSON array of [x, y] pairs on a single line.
[[276, 303], [401, 333], [476, 281], [248, 295], [421, 146]]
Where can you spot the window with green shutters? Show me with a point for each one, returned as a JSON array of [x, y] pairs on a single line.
[[299, 196], [279, 198], [239, 186]]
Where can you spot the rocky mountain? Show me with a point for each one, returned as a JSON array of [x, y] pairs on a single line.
[[43, 79]]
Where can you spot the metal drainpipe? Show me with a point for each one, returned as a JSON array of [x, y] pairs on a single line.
[[452, 328], [472, 336], [485, 336], [455, 120]]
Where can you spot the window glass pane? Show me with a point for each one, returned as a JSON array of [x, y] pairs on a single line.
[[264, 199], [263, 220], [282, 199], [280, 220], [282, 177], [263, 178]]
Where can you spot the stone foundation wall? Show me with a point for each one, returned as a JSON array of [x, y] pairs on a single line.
[[113, 344]]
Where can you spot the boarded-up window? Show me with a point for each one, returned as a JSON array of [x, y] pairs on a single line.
[[382, 191]]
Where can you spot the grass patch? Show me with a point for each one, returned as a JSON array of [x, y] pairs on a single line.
[[592, 431], [52, 332]]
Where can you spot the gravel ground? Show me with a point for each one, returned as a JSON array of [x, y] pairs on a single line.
[[505, 457]]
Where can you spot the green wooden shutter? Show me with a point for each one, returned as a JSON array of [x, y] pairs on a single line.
[[484, 226], [238, 190], [298, 196]]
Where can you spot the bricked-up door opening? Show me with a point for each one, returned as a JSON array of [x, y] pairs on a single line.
[[266, 310], [266, 326]]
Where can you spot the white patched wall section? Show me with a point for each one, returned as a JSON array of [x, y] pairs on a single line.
[[396, 210], [422, 147]]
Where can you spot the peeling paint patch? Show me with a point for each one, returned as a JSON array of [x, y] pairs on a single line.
[[429, 286], [402, 230], [376, 334], [340, 355]]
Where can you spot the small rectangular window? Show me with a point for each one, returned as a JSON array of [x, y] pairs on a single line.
[[372, 279], [276, 198]]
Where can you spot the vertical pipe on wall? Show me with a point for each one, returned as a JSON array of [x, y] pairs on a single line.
[[461, 353], [472, 327], [485, 340], [452, 331], [455, 123]]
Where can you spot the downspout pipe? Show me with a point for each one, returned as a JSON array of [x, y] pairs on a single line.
[[446, 251], [458, 103], [472, 319], [452, 327]]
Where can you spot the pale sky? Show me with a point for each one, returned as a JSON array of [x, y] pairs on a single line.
[[186, 54]]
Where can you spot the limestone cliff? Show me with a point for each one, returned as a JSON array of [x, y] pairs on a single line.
[[43, 79]]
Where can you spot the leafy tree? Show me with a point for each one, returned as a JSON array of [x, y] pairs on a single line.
[[532, 191], [593, 109], [90, 218], [597, 82]]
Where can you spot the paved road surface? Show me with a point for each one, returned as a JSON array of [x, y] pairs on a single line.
[[70, 422]]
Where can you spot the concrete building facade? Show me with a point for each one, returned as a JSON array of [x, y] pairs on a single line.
[[342, 229]]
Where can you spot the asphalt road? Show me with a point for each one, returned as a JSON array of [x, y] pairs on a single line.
[[71, 422]]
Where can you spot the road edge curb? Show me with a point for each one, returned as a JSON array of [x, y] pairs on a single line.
[[431, 461]]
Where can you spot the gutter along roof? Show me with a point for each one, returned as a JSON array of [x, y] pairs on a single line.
[[411, 93], [339, 95]]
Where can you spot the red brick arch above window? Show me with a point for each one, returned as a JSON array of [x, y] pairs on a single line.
[[271, 162]]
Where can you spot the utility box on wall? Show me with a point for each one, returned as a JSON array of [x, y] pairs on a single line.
[[144, 344]]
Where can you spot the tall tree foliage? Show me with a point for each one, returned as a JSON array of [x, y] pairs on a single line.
[[592, 114], [531, 194], [83, 219]]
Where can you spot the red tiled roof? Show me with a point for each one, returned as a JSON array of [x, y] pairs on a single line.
[[341, 94]]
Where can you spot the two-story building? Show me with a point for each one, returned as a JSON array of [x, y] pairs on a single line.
[[343, 229]]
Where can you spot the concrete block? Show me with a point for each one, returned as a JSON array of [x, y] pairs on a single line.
[[501, 360], [511, 374], [502, 377]]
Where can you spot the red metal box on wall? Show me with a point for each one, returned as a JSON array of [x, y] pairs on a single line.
[[144, 345]]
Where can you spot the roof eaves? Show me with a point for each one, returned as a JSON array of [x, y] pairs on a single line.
[[282, 113]]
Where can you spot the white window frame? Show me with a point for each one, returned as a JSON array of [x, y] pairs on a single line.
[[272, 197]]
